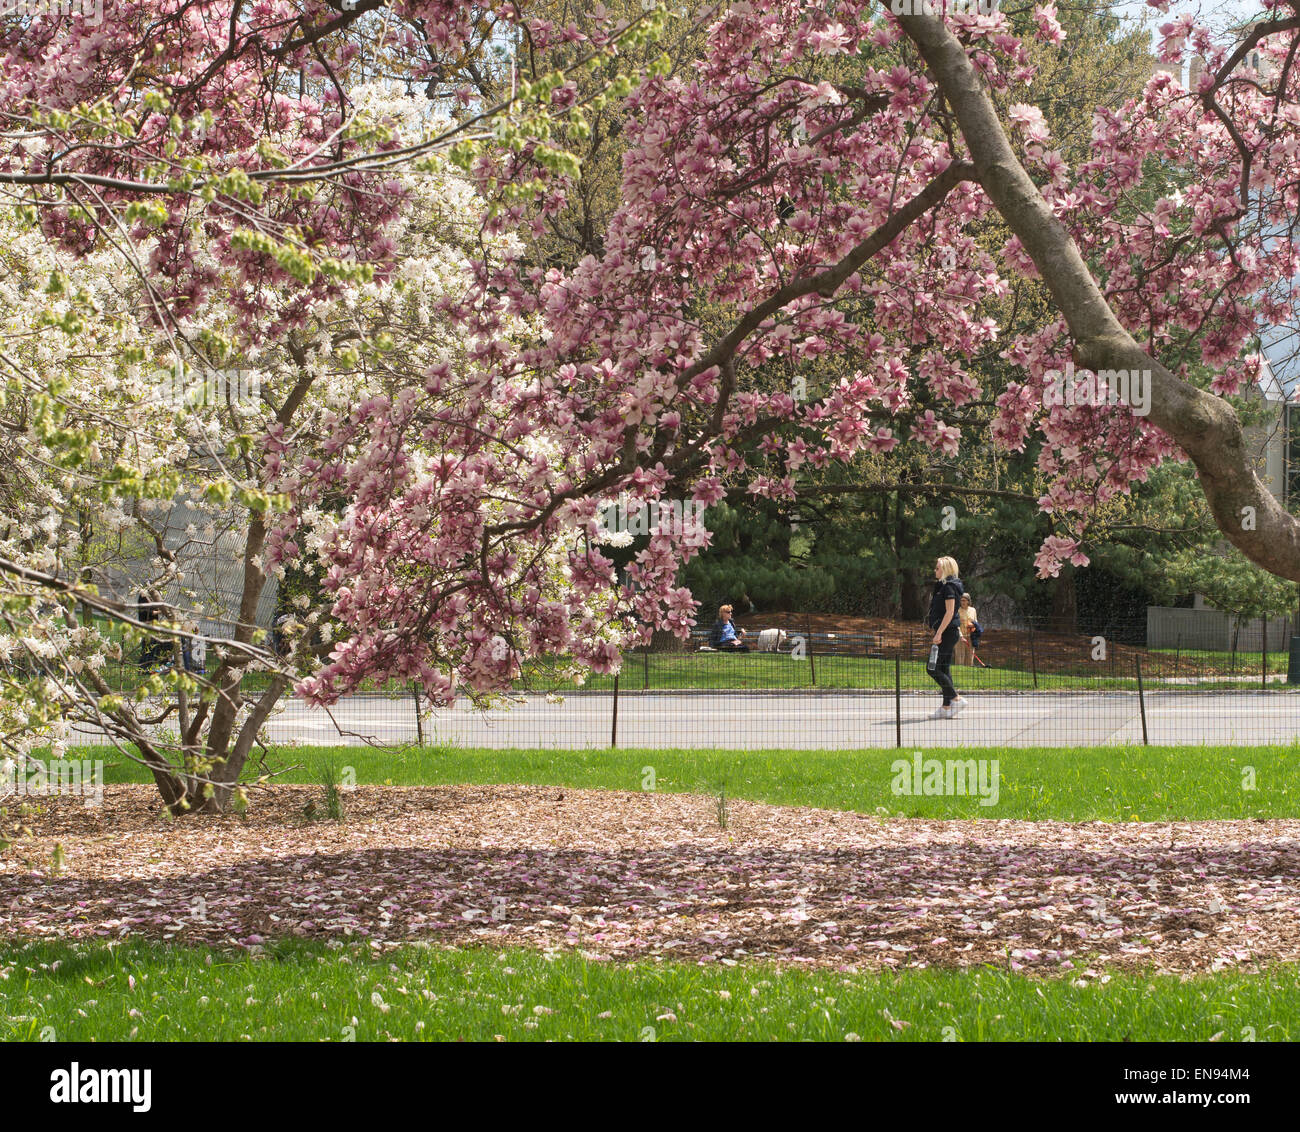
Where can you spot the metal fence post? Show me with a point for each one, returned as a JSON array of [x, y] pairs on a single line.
[[1142, 700], [1033, 660], [898, 700], [613, 729], [1263, 649]]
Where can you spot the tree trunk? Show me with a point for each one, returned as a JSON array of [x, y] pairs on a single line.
[[223, 751], [911, 601], [226, 775], [1065, 603]]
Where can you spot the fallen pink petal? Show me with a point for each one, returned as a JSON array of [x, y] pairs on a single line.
[[630, 875]]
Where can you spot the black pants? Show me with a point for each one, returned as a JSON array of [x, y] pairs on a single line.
[[942, 674], [733, 646]]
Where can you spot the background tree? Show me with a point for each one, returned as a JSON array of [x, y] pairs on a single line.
[[1235, 585]]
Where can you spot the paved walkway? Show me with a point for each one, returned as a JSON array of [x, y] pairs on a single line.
[[746, 720]]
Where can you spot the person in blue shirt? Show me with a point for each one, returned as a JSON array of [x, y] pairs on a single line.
[[725, 635], [947, 632]]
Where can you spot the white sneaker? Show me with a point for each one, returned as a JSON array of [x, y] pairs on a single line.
[[943, 713], [958, 704]]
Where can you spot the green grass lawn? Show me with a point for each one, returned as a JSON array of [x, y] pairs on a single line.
[[1085, 784], [775, 671], [297, 992], [1225, 659], [696, 671]]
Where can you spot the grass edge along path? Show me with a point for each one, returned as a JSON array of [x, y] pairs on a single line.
[[1040, 784]]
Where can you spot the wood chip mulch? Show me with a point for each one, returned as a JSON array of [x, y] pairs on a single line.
[[623, 875]]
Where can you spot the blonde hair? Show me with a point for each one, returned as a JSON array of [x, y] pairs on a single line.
[[947, 568], [723, 609]]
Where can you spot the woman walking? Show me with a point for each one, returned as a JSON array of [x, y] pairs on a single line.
[[943, 620]]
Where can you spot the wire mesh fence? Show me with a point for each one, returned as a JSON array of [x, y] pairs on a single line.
[[795, 685]]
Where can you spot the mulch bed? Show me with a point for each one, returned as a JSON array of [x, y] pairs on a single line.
[[1050, 653], [623, 875]]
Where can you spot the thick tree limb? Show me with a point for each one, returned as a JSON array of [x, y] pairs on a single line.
[[1203, 425], [827, 282]]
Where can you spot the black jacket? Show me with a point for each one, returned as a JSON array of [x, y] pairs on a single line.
[[952, 588]]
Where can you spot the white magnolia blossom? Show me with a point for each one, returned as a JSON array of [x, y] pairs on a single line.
[[114, 375]]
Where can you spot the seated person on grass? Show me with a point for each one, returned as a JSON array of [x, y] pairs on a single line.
[[725, 635]]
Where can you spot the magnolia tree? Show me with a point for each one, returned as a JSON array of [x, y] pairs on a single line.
[[117, 423], [809, 215], [813, 183]]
